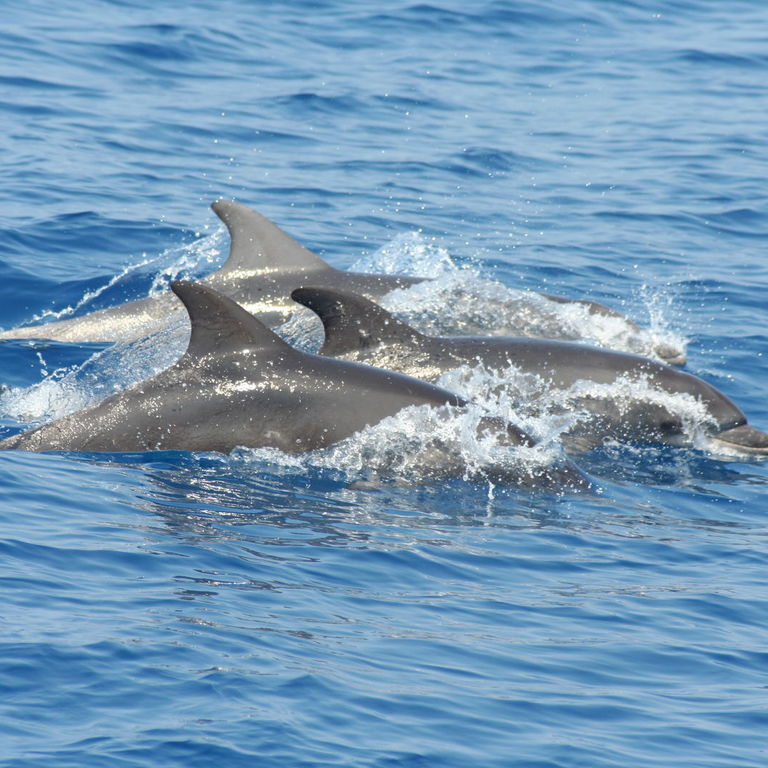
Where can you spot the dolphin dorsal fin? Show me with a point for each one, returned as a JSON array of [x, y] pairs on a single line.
[[221, 325], [352, 322], [259, 246]]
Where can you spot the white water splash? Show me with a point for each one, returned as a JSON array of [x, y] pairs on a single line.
[[409, 253], [48, 315], [515, 396], [110, 370], [66, 390], [424, 444], [460, 300], [173, 264], [548, 412], [662, 313], [188, 260]]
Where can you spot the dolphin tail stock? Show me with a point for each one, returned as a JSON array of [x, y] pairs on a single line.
[[352, 322], [259, 245]]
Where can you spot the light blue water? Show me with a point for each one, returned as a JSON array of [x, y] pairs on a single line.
[[179, 610]]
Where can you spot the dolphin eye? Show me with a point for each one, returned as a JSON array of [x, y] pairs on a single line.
[[671, 427]]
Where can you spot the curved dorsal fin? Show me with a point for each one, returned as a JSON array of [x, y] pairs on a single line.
[[221, 325], [258, 245], [353, 322]]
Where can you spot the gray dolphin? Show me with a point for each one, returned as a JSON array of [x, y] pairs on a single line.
[[239, 384], [357, 329], [263, 267]]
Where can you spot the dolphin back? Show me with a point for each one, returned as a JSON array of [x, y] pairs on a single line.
[[259, 245], [352, 322]]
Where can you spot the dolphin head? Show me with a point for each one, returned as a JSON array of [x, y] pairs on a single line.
[[724, 414], [727, 425], [732, 430], [656, 415]]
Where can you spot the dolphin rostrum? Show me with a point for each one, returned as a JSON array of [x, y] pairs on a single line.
[[239, 384], [360, 330], [264, 265]]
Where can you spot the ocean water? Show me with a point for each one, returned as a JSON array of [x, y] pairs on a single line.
[[176, 609]]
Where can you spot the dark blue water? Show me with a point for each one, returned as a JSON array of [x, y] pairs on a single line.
[[196, 610]]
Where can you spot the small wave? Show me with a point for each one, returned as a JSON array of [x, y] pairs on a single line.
[[29, 83], [181, 262], [309, 103], [743, 222], [720, 59], [495, 161]]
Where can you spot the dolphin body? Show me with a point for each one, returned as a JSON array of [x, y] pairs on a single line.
[[239, 384], [360, 330], [263, 267]]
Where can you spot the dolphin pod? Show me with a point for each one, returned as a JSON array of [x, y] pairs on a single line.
[[360, 330], [239, 384], [264, 265]]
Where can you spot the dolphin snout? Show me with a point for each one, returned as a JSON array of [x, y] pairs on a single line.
[[745, 438]]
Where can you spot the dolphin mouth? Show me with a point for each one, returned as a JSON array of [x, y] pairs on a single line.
[[745, 438]]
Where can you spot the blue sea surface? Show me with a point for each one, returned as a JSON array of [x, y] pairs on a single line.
[[196, 610]]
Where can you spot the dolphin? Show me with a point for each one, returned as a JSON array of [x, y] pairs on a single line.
[[264, 265], [360, 330], [239, 384]]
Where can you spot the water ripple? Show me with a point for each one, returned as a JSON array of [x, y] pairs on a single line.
[[177, 609]]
